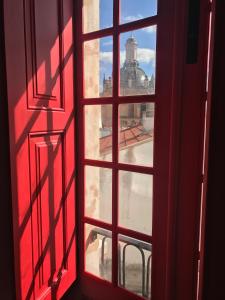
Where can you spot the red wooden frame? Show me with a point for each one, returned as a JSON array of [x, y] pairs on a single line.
[[176, 178], [161, 160], [211, 42], [180, 94], [190, 163]]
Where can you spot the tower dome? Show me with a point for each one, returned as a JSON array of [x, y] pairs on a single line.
[[133, 79]]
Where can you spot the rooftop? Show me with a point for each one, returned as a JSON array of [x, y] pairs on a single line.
[[127, 137]]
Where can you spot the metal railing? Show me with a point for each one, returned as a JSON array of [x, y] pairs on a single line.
[[122, 252]]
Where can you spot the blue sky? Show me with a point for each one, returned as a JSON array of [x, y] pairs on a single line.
[[130, 10], [146, 38]]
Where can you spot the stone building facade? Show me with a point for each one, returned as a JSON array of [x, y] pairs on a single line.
[[133, 81]]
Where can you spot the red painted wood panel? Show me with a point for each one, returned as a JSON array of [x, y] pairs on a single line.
[[39, 60], [44, 39]]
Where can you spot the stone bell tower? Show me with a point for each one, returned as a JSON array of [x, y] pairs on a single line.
[[131, 49]]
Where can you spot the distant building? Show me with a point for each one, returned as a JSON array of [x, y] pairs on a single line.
[[136, 147], [136, 120], [133, 81]]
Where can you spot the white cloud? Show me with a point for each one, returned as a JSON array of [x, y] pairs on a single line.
[[150, 29], [106, 57], [132, 18], [144, 55]]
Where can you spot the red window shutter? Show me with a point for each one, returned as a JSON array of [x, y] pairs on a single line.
[[39, 54]]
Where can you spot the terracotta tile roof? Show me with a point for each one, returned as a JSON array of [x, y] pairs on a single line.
[[128, 137]]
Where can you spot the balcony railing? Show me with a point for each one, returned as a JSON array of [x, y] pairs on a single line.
[[125, 243]]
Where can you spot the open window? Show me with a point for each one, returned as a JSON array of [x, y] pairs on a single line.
[[128, 197], [118, 101], [127, 112]]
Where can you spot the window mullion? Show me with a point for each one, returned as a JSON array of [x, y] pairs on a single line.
[[115, 142]]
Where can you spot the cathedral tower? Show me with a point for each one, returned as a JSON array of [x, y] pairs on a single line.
[[131, 49]]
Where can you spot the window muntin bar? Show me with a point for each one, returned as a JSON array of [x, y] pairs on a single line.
[[130, 11], [115, 100], [151, 21]]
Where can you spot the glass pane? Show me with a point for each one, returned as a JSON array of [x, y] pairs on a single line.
[[98, 254], [132, 10], [97, 14], [134, 266], [98, 193], [138, 61], [136, 133], [98, 59], [98, 132], [135, 201]]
